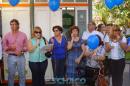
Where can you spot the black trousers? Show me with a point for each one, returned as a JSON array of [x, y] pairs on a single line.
[[59, 71], [91, 75], [116, 71], [38, 70]]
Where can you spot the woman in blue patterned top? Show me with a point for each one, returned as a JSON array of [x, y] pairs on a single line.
[[75, 52], [58, 54]]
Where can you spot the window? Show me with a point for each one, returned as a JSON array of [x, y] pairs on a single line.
[[81, 0], [41, 0], [67, 0], [82, 20], [20, 0]]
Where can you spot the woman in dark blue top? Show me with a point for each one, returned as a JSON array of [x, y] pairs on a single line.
[[58, 54]]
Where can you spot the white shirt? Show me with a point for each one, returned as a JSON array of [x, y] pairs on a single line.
[[86, 34], [117, 52], [106, 38]]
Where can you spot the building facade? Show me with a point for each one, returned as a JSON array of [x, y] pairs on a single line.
[[71, 12]]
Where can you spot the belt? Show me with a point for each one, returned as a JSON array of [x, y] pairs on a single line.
[[12, 54], [15, 54]]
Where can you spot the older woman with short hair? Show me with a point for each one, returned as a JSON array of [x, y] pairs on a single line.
[[59, 52]]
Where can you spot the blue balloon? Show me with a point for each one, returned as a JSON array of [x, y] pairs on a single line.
[[110, 3], [93, 41], [118, 2], [128, 40], [54, 4], [14, 2]]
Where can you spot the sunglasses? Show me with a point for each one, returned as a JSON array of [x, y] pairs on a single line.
[[37, 32], [116, 30]]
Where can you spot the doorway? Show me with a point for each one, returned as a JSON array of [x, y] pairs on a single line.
[[74, 16], [68, 20]]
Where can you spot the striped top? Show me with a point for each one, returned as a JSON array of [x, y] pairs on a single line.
[[91, 61]]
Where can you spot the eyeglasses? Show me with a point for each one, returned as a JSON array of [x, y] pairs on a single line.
[[37, 32], [55, 30], [117, 30]]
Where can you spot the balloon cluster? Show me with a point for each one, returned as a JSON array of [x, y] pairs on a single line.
[[53, 4], [111, 3]]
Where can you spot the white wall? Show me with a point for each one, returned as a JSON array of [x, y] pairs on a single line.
[[46, 19], [22, 14]]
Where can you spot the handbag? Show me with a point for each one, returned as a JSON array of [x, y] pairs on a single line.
[[91, 74], [101, 81], [48, 54]]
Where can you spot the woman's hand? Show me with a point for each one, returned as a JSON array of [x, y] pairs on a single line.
[[72, 37], [88, 53], [77, 60], [70, 43], [37, 42], [94, 54], [119, 37]]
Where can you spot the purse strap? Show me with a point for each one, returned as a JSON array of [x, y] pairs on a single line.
[[101, 69], [44, 40]]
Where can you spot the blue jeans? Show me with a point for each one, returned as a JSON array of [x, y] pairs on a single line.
[[16, 63]]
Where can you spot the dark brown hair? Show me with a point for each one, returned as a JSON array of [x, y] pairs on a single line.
[[74, 27], [93, 23], [99, 27], [14, 20], [100, 40], [57, 27]]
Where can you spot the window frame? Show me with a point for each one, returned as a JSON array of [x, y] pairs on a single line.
[[41, 2]]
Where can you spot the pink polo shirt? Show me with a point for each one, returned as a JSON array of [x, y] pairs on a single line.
[[19, 40]]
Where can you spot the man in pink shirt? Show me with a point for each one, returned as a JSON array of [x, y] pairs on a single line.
[[15, 44]]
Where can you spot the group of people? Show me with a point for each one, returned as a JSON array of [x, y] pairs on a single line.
[[67, 54]]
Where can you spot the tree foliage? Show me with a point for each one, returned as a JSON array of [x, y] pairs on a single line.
[[119, 14]]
